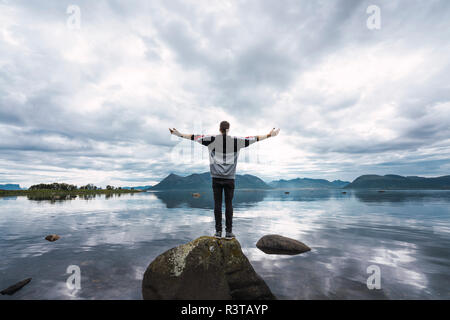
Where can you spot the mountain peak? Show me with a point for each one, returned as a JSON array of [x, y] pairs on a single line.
[[201, 181], [10, 186], [299, 183], [393, 181]]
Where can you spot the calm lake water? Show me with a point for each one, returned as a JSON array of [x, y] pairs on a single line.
[[405, 233]]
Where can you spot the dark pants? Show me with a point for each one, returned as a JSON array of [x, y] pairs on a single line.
[[227, 185]]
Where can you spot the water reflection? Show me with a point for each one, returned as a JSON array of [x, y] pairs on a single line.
[[393, 196], [247, 198], [8, 198], [113, 239], [52, 198], [175, 199]]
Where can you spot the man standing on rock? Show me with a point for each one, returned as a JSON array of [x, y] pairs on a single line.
[[223, 154]]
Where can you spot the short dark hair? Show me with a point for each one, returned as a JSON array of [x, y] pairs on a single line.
[[224, 125]]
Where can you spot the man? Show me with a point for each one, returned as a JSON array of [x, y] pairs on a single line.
[[223, 154]]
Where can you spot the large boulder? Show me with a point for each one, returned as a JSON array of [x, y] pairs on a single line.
[[206, 268], [276, 244]]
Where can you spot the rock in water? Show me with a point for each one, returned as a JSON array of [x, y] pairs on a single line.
[[15, 287], [52, 237], [276, 244], [206, 268]]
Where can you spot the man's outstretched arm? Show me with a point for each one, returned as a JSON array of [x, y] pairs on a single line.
[[272, 133], [202, 139], [181, 135], [247, 141]]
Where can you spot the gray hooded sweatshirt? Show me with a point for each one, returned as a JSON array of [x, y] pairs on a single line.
[[223, 152]]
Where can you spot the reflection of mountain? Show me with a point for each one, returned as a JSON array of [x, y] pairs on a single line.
[[178, 198], [202, 181], [173, 199], [402, 196], [138, 188], [9, 198], [392, 181], [299, 183]]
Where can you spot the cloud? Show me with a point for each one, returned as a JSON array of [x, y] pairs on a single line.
[[96, 103]]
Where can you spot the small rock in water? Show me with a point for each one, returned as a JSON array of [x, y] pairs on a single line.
[[196, 195], [52, 237], [15, 287], [276, 244]]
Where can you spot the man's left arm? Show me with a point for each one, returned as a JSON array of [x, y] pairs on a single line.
[[181, 135], [204, 140], [273, 133]]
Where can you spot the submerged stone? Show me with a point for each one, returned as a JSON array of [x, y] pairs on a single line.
[[15, 287], [52, 237]]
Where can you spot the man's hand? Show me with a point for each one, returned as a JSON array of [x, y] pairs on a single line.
[[274, 133], [175, 132]]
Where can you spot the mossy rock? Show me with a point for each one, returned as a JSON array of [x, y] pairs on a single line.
[[205, 268]]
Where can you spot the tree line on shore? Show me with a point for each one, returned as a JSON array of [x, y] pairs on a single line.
[[69, 187]]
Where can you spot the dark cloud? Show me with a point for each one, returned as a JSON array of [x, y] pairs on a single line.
[[101, 99]]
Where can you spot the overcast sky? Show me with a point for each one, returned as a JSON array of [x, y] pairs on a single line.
[[94, 104]]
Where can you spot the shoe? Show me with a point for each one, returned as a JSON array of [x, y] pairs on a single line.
[[229, 235], [218, 234]]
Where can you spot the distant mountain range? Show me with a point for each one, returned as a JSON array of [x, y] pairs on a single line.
[[299, 183], [200, 181], [10, 186], [392, 181]]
